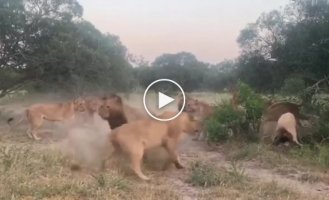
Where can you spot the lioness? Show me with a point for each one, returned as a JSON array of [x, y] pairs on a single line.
[[37, 113], [92, 106], [286, 129], [139, 136], [200, 109]]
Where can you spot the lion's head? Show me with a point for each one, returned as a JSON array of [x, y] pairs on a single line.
[[185, 122], [79, 105], [93, 104], [112, 110], [191, 105], [191, 124]]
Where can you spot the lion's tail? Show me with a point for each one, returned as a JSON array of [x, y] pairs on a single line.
[[18, 121], [10, 120]]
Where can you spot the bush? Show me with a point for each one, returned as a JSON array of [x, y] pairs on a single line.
[[243, 121], [321, 133], [293, 86], [253, 103], [224, 121], [320, 104]]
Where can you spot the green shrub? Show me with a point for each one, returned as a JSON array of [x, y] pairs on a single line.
[[224, 121], [217, 131], [253, 103], [293, 85], [320, 102], [320, 127], [243, 121], [321, 134]]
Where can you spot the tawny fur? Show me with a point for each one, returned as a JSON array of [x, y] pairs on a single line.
[[274, 111], [136, 137], [271, 115], [93, 104], [133, 114], [201, 109], [65, 112], [287, 128]]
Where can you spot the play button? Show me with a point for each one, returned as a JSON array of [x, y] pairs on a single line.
[[163, 99]]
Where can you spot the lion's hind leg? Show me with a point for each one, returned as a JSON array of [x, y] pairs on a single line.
[[136, 153], [35, 122]]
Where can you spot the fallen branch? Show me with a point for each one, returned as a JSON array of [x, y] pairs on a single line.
[[316, 86]]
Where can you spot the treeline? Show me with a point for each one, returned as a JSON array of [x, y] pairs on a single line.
[[47, 45], [191, 74]]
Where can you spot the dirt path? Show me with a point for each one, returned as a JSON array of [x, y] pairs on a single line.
[[193, 150]]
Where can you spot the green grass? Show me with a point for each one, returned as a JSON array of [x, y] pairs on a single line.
[[205, 174]]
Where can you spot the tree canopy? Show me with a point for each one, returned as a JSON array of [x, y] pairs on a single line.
[[47, 44], [188, 71], [284, 43]]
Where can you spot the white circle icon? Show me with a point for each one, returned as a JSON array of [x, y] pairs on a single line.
[[163, 99]]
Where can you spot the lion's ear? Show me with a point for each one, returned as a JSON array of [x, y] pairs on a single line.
[[76, 100], [118, 99]]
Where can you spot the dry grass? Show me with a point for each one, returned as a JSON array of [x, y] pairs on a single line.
[[270, 156], [43, 173], [250, 190], [27, 173]]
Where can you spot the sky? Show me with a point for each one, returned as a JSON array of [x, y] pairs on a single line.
[[149, 28]]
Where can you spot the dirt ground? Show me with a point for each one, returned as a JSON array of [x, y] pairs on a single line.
[[41, 169]]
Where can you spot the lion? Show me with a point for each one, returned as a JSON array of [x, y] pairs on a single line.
[[286, 129], [181, 101], [112, 111], [93, 104], [199, 108], [37, 113], [275, 110], [272, 114], [135, 138]]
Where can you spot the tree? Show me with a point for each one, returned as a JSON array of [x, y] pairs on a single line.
[[287, 42], [47, 42]]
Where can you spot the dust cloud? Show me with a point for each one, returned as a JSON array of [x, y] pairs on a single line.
[[86, 142]]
